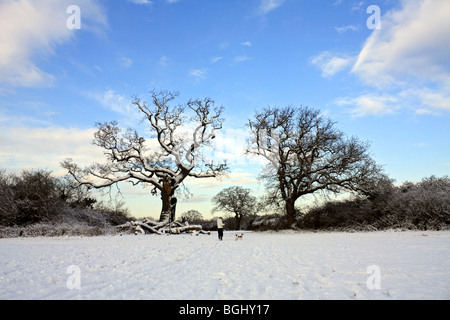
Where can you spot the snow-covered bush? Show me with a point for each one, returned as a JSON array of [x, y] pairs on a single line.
[[424, 205], [8, 207], [55, 230], [28, 198], [35, 203]]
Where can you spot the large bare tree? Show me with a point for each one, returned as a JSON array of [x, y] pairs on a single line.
[[306, 154], [235, 200], [171, 153]]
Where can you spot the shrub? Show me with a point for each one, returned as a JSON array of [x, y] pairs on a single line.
[[27, 198], [8, 206], [423, 205], [34, 203]]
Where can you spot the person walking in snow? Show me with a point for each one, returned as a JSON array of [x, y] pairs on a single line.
[[220, 225]]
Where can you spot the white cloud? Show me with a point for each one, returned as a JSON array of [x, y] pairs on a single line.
[[216, 59], [163, 61], [32, 148], [331, 64], [427, 100], [230, 145], [369, 104], [422, 101], [198, 73], [149, 3], [413, 42], [224, 45], [240, 59], [357, 5], [246, 44], [344, 29], [119, 104], [114, 102], [125, 62], [145, 2], [407, 61], [36, 27], [267, 6], [421, 144], [424, 111], [233, 178]]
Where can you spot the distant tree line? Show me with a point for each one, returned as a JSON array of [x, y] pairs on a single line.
[[423, 205], [34, 203], [304, 154]]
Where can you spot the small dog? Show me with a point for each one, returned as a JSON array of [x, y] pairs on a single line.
[[238, 236]]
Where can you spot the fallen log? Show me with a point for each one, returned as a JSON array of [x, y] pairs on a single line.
[[188, 228], [149, 228], [160, 228], [139, 229]]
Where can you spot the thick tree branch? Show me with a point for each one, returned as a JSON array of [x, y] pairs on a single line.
[[132, 158], [306, 153]]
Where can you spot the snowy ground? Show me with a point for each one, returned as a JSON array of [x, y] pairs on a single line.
[[262, 266]]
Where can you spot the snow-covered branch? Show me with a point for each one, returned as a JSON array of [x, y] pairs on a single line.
[[166, 158]]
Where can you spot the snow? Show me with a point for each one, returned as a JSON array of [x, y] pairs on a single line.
[[262, 266]]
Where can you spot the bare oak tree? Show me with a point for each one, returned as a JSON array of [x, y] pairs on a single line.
[[306, 154], [191, 216], [235, 200], [171, 153]]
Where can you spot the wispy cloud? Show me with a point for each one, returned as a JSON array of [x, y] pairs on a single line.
[[149, 3], [357, 5], [369, 104], [163, 61], [393, 53], [118, 103], [418, 66], [421, 144], [406, 63], [125, 62], [29, 148], [240, 59], [234, 178], [198, 74], [344, 29], [246, 44], [267, 6], [224, 45], [432, 100], [144, 2], [331, 64], [26, 30], [216, 59]]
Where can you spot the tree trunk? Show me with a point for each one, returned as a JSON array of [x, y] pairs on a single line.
[[168, 203], [165, 198], [290, 211], [238, 219]]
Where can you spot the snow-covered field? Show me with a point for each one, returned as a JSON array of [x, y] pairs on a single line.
[[262, 266]]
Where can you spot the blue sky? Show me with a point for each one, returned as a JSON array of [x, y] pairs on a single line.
[[390, 86]]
